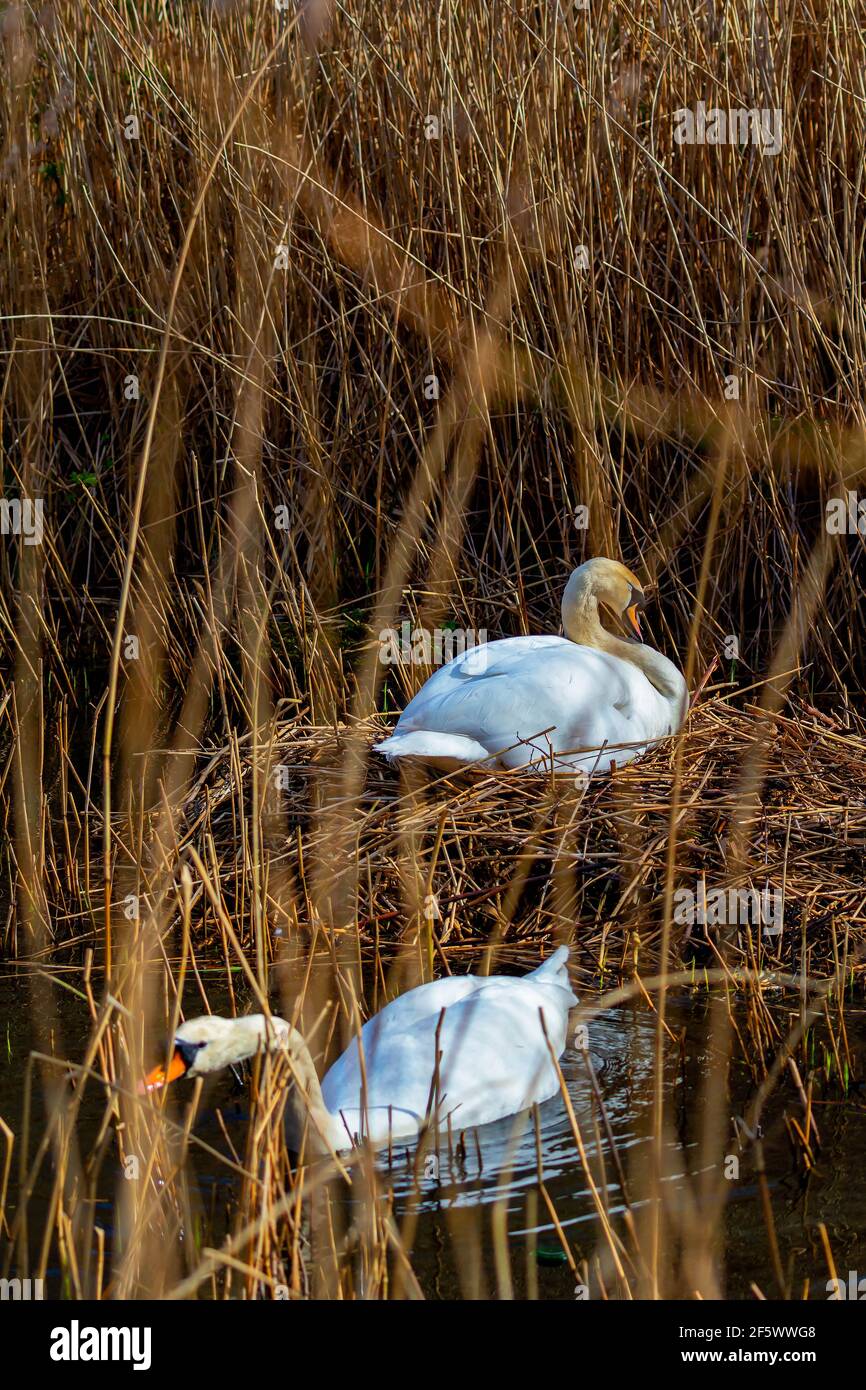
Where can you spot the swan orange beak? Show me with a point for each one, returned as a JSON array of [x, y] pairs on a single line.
[[634, 621], [160, 1076]]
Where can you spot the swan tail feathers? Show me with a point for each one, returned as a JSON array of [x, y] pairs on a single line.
[[426, 744], [554, 970]]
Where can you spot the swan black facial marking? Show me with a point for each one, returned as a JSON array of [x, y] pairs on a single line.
[[188, 1051]]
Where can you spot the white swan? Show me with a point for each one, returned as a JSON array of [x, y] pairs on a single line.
[[494, 1060], [588, 699]]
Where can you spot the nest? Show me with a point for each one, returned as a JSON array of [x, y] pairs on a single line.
[[517, 861]]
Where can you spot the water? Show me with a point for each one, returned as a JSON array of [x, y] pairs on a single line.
[[457, 1194]]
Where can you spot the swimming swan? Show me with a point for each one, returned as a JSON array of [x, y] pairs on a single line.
[[494, 1058], [587, 699]]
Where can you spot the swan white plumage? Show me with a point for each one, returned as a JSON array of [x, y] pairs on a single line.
[[494, 1059], [586, 700]]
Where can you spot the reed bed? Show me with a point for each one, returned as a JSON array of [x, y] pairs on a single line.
[[318, 321]]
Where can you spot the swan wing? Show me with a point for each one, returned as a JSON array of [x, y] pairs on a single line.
[[537, 688], [494, 1058], [397, 1019]]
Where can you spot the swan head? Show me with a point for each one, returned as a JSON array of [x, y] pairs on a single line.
[[209, 1044], [606, 582]]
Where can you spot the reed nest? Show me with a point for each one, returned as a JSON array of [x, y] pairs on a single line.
[[526, 858], [522, 859]]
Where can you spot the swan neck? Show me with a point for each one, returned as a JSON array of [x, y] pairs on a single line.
[[662, 674], [306, 1111], [582, 624]]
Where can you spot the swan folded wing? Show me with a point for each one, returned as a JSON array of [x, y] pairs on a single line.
[[499, 658], [572, 699], [491, 716], [382, 1032], [495, 1060]]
